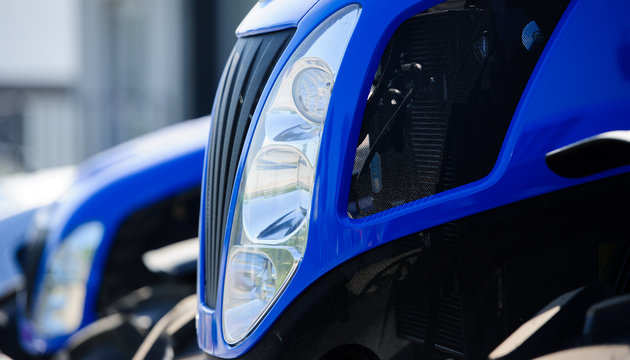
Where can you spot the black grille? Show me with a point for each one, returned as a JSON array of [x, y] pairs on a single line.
[[430, 303], [442, 99], [30, 259], [243, 80]]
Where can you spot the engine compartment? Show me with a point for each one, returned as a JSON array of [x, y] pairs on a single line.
[[443, 97], [166, 222]]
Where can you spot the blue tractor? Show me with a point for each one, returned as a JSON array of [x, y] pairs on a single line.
[[416, 179], [95, 268]]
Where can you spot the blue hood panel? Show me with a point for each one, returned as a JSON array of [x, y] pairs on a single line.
[[273, 15], [149, 149]]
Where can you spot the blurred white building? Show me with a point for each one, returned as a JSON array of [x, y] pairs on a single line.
[[78, 76], [39, 67]]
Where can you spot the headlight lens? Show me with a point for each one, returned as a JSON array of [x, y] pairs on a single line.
[[59, 306], [284, 175], [270, 223]]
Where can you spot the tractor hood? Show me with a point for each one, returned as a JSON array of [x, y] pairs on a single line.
[[273, 15]]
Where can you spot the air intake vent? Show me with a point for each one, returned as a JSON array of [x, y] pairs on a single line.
[[443, 97], [243, 80], [430, 301]]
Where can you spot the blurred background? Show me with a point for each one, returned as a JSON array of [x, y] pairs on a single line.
[[79, 76]]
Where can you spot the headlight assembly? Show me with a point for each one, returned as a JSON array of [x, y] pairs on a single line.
[[270, 222], [59, 306]]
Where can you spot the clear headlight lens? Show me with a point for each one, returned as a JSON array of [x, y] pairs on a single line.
[[270, 224], [59, 306], [284, 175]]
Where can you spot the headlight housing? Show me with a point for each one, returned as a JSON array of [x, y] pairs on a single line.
[[59, 306], [270, 222]]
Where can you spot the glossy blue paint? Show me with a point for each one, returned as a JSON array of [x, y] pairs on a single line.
[[110, 187], [578, 89], [273, 15]]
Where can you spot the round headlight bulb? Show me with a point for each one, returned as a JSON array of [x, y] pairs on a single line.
[[312, 86]]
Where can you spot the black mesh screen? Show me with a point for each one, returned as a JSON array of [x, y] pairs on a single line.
[[442, 99], [242, 82]]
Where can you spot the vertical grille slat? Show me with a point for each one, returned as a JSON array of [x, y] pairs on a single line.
[[243, 80]]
